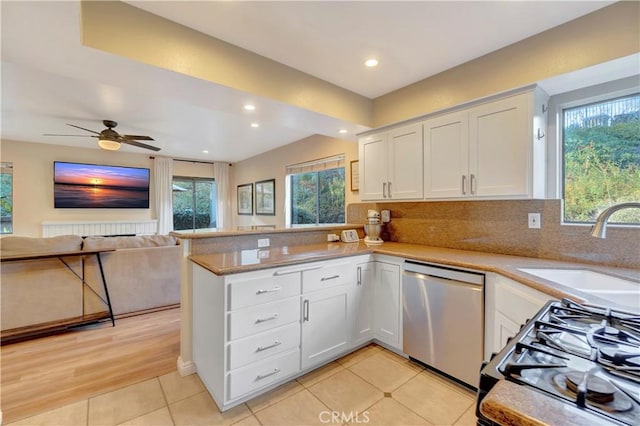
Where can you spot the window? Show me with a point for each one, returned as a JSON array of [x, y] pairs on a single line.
[[316, 192], [6, 198], [601, 150], [194, 203]]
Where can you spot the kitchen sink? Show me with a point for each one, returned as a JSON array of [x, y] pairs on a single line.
[[613, 289]]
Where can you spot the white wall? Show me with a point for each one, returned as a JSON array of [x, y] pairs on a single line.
[[272, 165], [33, 183]]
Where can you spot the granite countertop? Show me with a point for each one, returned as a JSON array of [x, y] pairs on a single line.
[[511, 404], [508, 266], [192, 234]]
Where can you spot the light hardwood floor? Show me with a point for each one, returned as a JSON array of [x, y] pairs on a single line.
[[49, 372]]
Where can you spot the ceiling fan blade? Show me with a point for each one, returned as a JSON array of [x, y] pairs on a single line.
[[82, 128], [80, 136], [139, 144], [139, 138]]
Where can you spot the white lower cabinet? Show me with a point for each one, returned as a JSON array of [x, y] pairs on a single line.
[[376, 302], [508, 305], [387, 304], [324, 325]]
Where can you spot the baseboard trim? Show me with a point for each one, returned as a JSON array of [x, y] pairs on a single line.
[[186, 368]]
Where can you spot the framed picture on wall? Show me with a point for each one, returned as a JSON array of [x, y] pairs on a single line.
[[266, 197], [245, 199], [355, 175]]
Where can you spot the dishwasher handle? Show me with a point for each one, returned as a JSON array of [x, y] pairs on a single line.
[[446, 273]]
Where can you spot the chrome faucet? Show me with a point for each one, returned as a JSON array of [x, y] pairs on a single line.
[[599, 230]]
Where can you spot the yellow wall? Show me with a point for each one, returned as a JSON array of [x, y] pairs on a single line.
[[33, 183], [273, 164], [606, 34]]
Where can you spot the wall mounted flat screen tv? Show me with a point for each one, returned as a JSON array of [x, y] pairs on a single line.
[[77, 185]]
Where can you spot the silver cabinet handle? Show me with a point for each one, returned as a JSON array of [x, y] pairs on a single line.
[[359, 281], [260, 291], [472, 186], [389, 189], [272, 317], [305, 310], [464, 184], [329, 278], [265, 375], [293, 271], [264, 348], [384, 189]]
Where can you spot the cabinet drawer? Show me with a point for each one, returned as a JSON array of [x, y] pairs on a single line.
[[328, 276], [256, 319], [262, 288], [262, 374], [263, 345]]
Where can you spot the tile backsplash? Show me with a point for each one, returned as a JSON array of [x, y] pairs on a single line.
[[502, 227]]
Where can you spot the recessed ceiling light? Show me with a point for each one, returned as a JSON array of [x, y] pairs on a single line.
[[249, 107], [255, 125], [342, 131], [204, 151], [371, 63]]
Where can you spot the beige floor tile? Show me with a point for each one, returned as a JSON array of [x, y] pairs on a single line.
[[402, 360], [69, 415], [200, 409], [275, 395], [436, 400], [248, 421], [300, 409], [160, 417], [346, 392], [127, 403], [384, 372], [319, 374], [359, 355], [177, 387], [468, 418], [389, 412]]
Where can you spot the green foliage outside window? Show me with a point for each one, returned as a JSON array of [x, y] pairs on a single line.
[[318, 197], [602, 161], [6, 200], [194, 203]]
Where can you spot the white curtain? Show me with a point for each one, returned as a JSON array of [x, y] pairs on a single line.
[[163, 191], [223, 206]]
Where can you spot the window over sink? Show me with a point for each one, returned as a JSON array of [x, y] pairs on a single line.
[[601, 158]]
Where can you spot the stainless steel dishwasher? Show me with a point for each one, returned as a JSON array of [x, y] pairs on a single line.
[[443, 319]]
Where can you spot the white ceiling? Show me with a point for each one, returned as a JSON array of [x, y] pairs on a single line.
[[49, 78]]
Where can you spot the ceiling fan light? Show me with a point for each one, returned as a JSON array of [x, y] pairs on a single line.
[[108, 144]]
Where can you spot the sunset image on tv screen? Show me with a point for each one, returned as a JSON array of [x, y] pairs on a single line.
[[99, 186]]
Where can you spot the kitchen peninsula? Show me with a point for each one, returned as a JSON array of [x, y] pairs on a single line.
[[225, 274]]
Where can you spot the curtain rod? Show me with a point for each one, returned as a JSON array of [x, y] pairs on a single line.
[[193, 161]]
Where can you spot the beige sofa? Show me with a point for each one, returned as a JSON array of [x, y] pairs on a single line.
[[142, 273]]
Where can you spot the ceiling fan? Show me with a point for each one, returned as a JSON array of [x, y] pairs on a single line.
[[111, 140]]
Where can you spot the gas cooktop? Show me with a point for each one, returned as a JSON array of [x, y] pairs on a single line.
[[584, 355]]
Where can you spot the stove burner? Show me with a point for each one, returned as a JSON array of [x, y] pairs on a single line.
[[599, 394], [619, 357], [597, 389]]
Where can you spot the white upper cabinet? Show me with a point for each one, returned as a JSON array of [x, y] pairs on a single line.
[[446, 155], [492, 150], [391, 164]]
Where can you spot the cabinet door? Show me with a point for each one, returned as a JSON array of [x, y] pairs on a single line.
[[503, 329], [388, 325], [405, 163], [324, 325], [373, 167], [446, 156], [361, 304], [499, 148]]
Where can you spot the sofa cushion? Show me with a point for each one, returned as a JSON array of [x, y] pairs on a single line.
[[99, 243], [22, 245]]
